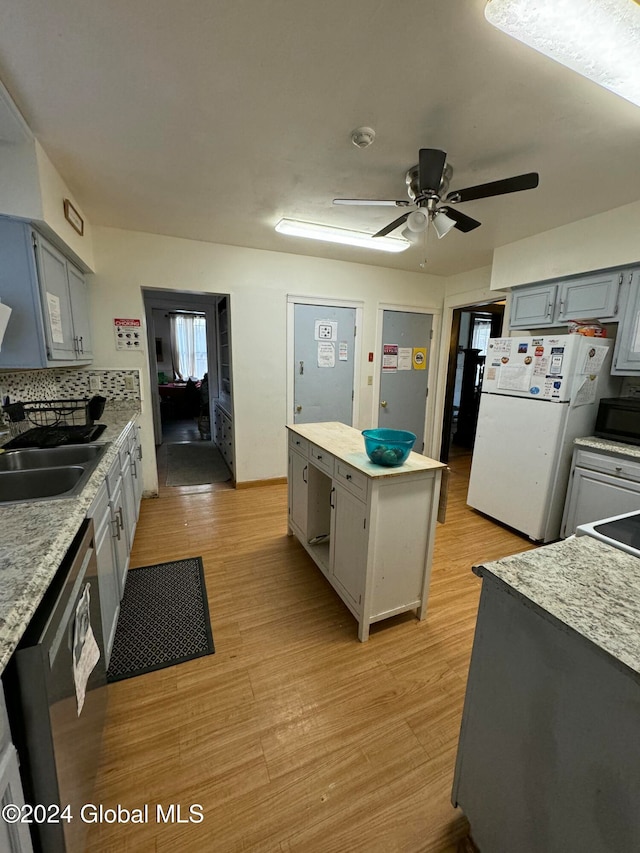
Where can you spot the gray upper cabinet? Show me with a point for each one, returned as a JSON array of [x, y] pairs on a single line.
[[49, 323], [626, 355], [533, 306], [589, 297]]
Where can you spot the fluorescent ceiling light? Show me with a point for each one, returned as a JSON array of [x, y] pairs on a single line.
[[599, 39], [329, 234]]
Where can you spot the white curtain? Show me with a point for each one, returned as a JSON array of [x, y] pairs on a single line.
[[189, 345]]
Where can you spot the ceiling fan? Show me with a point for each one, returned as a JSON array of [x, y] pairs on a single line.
[[428, 189]]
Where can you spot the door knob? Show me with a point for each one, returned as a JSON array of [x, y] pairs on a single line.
[[383, 403], [298, 408]]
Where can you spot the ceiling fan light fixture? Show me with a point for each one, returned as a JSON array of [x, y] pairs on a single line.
[[600, 39], [417, 221], [412, 236], [344, 236], [442, 224]]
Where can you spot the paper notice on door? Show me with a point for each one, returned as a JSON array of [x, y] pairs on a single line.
[[343, 351], [419, 358], [516, 377], [586, 393], [55, 318], [404, 358], [593, 360], [326, 354], [86, 653], [389, 358], [326, 330]]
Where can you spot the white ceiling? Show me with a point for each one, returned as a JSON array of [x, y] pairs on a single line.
[[211, 119]]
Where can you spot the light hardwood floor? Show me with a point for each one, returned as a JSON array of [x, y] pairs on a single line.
[[294, 736]]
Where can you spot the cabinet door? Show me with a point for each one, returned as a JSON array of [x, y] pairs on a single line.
[[106, 532], [56, 307], [349, 543], [136, 468], [79, 299], [626, 356], [298, 491], [532, 307], [14, 837], [121, 546], [591, 297], [128, 494], [593, 496]]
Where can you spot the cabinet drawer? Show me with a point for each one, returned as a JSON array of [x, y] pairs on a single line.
[[616, 466], [297, 442], [354, 481], [321, 459]]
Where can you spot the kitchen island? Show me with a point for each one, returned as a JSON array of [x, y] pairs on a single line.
[[370, 529], [549, 755]]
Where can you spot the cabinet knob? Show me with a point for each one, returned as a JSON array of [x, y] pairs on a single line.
[[383, 403]]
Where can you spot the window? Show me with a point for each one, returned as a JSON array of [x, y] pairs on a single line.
[[189, 345]]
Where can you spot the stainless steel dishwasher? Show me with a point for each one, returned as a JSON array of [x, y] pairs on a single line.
[[57, 730]]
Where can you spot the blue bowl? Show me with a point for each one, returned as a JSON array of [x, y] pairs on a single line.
[[388, 447]]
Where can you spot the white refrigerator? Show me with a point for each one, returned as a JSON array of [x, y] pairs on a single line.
[[538, 394]]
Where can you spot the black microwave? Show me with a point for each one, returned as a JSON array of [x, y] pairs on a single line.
[[618, 419]]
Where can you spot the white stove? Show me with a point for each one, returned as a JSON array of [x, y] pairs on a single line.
[[619, 531]]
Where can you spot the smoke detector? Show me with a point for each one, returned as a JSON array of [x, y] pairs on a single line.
[[362, 137]]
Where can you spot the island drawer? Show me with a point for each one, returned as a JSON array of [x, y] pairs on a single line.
[[297, 442], [321, 459], [354, 481], [616, 466]]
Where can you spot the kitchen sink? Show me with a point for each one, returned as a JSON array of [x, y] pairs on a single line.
[[36, 474], [50, 457]]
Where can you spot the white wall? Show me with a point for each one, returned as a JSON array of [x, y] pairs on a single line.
[[258, 283], [53, 191], [598, 242]]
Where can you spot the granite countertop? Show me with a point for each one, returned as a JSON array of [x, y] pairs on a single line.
[[35, 536], [347, 444], [584, 584], [612, 448]]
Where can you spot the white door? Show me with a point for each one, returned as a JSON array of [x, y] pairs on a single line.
[[404, 372], [324, 352]]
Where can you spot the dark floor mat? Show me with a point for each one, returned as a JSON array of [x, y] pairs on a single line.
[[164, 619]]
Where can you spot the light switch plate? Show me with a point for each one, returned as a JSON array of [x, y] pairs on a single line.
[[94, 383], [129, 383]]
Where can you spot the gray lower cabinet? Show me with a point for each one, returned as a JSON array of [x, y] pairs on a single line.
[[48, 295], [107, 529], [601, 485], [14, 837], [549, 755]]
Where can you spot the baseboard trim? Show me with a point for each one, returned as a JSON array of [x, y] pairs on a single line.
[[251, 484]]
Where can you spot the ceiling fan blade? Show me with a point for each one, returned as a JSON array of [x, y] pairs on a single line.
[[381, 202], [392, 226], [508, 185], [463, 222], [430, 169]]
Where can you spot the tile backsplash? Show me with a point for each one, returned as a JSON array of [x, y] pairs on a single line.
[[61, 384]]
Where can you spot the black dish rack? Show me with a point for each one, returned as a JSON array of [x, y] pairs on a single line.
[[54, 421]]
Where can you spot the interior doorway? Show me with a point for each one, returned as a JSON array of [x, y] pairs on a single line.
[[471, 328], [190, 377]]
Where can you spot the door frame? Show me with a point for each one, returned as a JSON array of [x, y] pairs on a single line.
[[467, 299], [292, 301], [436, 315]]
